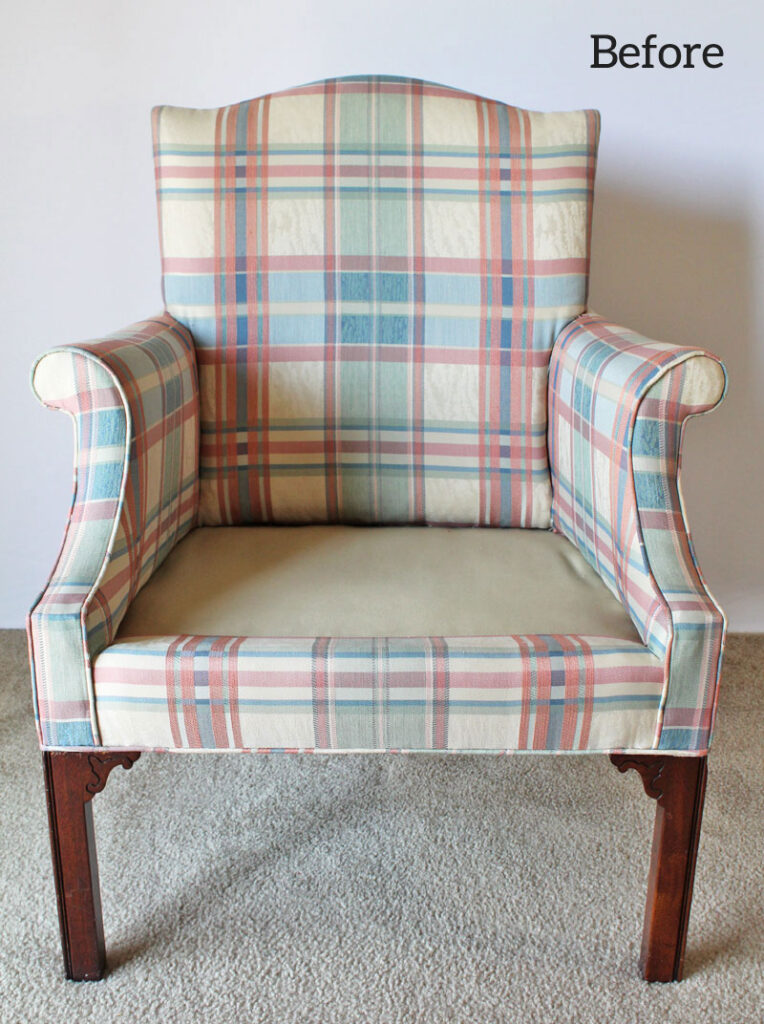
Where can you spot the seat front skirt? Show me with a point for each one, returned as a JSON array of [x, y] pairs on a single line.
[[487, 694]]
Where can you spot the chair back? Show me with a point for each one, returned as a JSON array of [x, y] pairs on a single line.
[[374, 270]]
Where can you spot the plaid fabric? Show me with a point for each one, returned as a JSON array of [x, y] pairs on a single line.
[[618, 403], [374, 271], [495, 694], [134, 400]]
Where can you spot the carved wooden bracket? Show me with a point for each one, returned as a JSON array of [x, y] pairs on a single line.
[[650, 767], [72, 778], [678, 784], [101, 766]]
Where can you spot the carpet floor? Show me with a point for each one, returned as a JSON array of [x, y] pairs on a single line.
[[388, 890]]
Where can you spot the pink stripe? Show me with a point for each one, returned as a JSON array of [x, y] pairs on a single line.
[[360, 353], [387, 264], [218, 664], [364, 170], [68, 710], [115, 667]]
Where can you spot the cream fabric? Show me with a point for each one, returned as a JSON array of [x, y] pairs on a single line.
[[375, 581]]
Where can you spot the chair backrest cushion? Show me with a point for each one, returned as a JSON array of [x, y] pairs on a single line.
[[374, 270]]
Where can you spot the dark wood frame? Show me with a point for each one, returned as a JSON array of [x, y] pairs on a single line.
[[676, 783], [679, 786], [71, 781]]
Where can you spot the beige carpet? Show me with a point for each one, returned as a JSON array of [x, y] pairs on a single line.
[[381, 889]]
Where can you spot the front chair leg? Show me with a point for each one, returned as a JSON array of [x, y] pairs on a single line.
[[679, 786], [71, 781]]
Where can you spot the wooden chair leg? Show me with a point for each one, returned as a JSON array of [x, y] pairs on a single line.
[[71, 781], [679, 785]]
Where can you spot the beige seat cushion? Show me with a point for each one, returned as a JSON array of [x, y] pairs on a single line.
[[345, 581]]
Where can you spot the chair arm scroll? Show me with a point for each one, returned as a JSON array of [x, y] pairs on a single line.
[[618, 405], [134, 401]]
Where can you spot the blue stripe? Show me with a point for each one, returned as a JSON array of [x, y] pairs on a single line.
[[372, 148], [455, 654], [392, 702]]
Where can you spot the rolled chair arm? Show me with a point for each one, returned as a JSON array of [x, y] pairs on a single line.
[[618, 404], [134, 400]]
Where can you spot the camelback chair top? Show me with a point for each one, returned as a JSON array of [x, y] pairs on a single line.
[[374, 271]]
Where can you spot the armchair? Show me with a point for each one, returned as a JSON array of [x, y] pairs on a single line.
[[376, 480]]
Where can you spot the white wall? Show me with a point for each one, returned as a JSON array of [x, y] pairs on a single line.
[[679, 219]]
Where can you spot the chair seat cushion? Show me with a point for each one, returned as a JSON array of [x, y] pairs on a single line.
[[377, 638]]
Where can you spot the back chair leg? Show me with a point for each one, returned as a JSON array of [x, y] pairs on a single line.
[[71, 781], [679, 786]]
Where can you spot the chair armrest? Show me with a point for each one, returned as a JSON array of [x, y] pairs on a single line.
[[618, 404], [134, 401]]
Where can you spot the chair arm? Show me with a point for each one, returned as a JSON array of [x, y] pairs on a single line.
[[618, 404], [134, 400]]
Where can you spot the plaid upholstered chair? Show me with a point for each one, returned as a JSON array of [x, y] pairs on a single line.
[[376, 480]]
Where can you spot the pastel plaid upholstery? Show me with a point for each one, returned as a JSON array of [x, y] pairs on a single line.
[[382, 284], [492, 694], [133, 397], [374, 270], [618, 403]]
